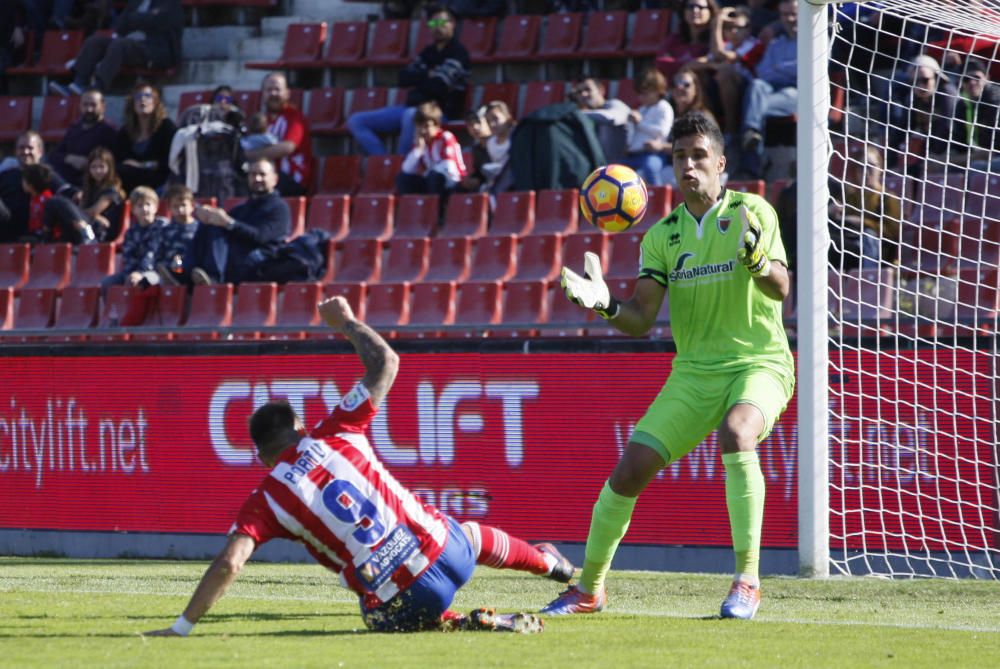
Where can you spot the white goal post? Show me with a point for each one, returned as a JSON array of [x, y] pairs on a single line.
[[898, 294]]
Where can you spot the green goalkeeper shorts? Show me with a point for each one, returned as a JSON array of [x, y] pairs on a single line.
[[692, 403]]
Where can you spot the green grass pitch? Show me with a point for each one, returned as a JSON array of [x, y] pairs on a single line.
[[75, 613]]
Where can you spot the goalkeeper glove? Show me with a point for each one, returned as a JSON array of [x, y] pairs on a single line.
[[751, 254], [589, 290]]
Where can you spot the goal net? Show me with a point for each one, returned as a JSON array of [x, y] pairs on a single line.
[[913, 289]]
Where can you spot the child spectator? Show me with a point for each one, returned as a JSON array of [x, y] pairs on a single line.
[[501, 121], [479, 130], [178, 242], [257, 133], [103, 196], [142, 244], [434, 164], [651, 124]]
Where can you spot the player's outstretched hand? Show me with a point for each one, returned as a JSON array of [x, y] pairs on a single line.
[[336, 312], [589, 290], [164, 632], [751, 254]]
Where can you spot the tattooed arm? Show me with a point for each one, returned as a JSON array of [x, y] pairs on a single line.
[[380, 361]]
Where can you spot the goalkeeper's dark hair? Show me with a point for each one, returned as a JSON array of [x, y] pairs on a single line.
[[699, 124], [271, 426]]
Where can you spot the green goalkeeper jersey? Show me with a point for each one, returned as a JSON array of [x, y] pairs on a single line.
[[717, 315]]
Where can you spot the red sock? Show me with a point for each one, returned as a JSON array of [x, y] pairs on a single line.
[[496, 548]]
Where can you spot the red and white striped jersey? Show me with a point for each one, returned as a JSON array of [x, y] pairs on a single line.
[[331, 493]]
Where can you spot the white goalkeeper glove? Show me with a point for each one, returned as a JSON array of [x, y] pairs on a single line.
[[589, 290], [751, 254]]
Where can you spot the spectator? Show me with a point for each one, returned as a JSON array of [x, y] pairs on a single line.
[[224, 243], [103, 196], [434, 164], [651, 124], [735, 55], [179, 237], [70, 156], [30, 150], [36, 182], [773, 92], [142, 244], [142, 147], [293, 152], [258, 135], [147, 34], [691, 43], [224, 103], [479, 131], [921, 117], [52, 218], [439, 74], [977, 114], [610, 116], [13, 37], [497, 172]]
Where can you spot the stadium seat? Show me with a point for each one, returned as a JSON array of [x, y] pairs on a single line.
[[94, 262], [166, 315], [354, 293], [604, 35], [564, 319], [539, 257], [927, 248], [302, 49], [341, 175], [648, 28], [387, 304], [978, 301], [77, 310], [211, 310], [330, 213], [524, 305], [755, 186], [775, 188], [514, 214], [360, 261], [575, 245], [15, 117], [297, 208], [623, 260], [449, 259], [518, 38], [623, 290], [126, 306], [537, 94], [256, 307], [507, 92], [380, 174], [15, 259], [371, 217], [467, 215], [478, 304], [937, 200], [659, 206], [420, 41], [979, 244], [366, 99], [416, 216], [51, 265], [625, 91], [493, 258], [6, 308], [346, 47], [247, 100], [562, 36], [58, 114], [432, 304], [556, 211], [325, 112], [298, 308], [478, 35], [191, 98], [58, 48], [407, 260], [389, 41], [861, 301], [35, 309]]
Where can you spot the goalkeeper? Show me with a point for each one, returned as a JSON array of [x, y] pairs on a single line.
[[720, 257]]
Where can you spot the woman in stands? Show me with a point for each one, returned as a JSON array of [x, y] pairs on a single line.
[[142, 148], [691, 44], [103, 196]]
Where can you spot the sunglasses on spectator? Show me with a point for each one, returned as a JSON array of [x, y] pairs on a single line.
[[437, 23], [142, 95], [223, 98]]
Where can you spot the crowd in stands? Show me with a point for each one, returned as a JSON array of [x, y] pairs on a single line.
[[103, 181]]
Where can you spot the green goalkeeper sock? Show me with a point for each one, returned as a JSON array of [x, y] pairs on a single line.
[[745, 500], [608, 525]]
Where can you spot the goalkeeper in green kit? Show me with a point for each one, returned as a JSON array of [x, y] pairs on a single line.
[[720, 256]]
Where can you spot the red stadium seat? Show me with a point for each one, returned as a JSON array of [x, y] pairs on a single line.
[[298, 308], [58, 48], [604, 35], [755, 186], [211, 310], [407, 260], [58, 114], [647, 33], [778, 185], [380, 174], [35, 308], [979, 244], [421, 40], [936, 201], [191, 98], [51, 265], [524, 306], [325, 112], [983, 196], [623, 290], [538, 94], [467, 215], [623, 262], [248, 101], [478, 35], [341, 175], [978, 300], [94, 262], [367, 99], [302, 50], [625, 91], [330, 213], [494, 258], [562, 36], [507, 92], [354, 293], [126, 306], [575, 245], [347, 44], [6, 308], [297, 208], [387, 304], [15, 117], [77, 310], [515, 213], [540, 257], [256, 307], [432, 304], [15, 259], [416, 216], [389, 41], [564, 319], [861, 301], [518, 38], [371, 217], [167, 312], [478, 305], [360, 261], [659, 207], [449, 259], [556, 211]]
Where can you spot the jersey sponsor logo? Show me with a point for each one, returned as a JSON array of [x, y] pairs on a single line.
[[680, 273], [681, 260], [397, 548]]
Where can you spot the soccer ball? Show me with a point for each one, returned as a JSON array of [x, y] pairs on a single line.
[[613, 198]]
